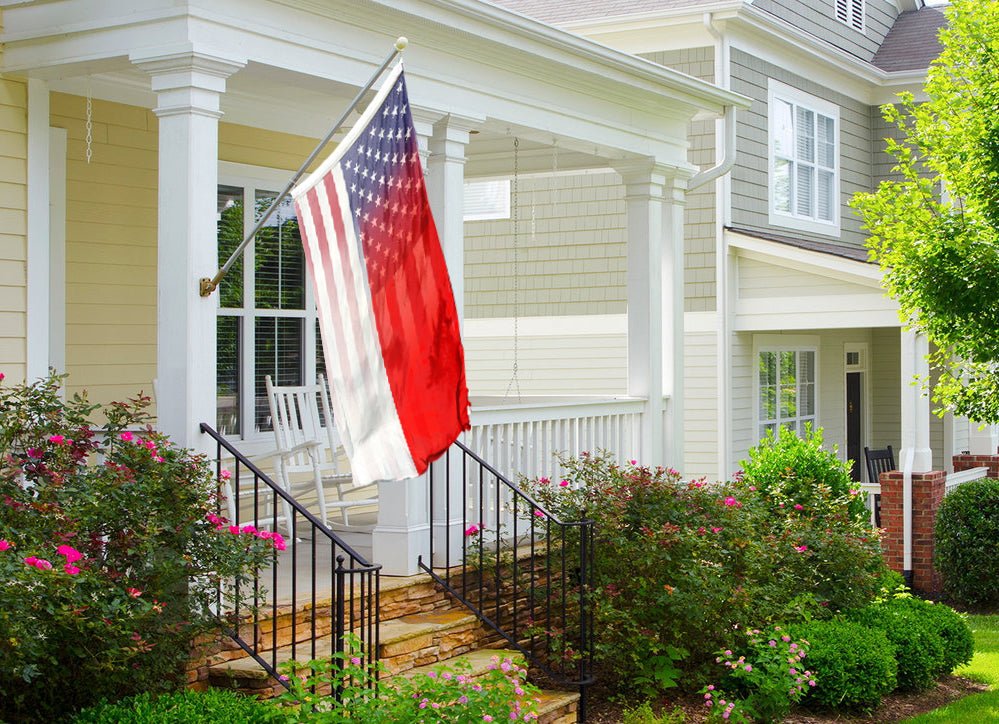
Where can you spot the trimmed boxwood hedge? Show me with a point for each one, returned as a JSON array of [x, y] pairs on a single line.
[[854, 665], [215, 706], [967, 543]]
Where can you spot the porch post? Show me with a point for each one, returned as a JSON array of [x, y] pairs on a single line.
[[915, 454], [446, 185], [654, 195], [188, 87]]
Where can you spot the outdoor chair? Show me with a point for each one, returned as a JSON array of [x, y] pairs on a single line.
[[878, 461], [308, 447]]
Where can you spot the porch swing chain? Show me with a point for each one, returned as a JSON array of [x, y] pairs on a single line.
[[90, 122], [514, 379]]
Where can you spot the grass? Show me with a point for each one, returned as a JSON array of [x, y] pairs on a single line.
[[984, 667]]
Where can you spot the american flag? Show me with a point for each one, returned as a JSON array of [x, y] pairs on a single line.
[[386, 310]]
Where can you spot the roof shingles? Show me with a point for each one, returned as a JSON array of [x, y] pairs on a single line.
[[912, 42]]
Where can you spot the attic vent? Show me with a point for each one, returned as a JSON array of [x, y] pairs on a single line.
[[851, 12]]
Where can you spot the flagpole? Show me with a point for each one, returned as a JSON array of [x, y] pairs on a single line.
[[206, 285]]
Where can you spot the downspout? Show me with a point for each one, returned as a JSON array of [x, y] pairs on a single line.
[[725, 135]]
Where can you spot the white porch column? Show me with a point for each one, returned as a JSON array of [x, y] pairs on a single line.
[[38, 326], [982, 440], [446, 186], [188, 86], [915, 454], [654, 195], [447, 195]]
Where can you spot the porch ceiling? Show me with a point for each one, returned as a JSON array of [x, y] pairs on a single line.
[[304, 60]]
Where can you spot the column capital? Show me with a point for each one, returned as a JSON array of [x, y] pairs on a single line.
[[649, 178], [186, 80]]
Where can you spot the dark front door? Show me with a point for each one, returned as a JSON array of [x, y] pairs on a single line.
[[853, 424]]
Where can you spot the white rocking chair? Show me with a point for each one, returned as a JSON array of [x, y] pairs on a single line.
[[308, 447]]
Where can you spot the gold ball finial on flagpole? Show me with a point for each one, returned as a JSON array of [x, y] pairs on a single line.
[[401, 42]]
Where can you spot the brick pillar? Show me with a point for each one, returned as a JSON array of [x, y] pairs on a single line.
[[966, 462], [927, 493]]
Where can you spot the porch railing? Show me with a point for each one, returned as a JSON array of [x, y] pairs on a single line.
[[520, 569], [317, 571], [523, 438]]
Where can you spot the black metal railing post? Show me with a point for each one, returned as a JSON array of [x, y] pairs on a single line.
[[344, 564]]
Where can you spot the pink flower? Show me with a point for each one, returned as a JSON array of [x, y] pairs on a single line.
[[715, 529], [749, 667], [486, 717], [39, 563], [355, 660], [34, 452], [265, 534], [752, 488], [4, 545], [225, 474], [278, 541], [801, 549], [539, 513], [632, 462], [730, 501], [126, 436], [248, 529], [234, 529], [71, 569], [70, 553], [544, 480], [472, 529], [157, 458], [56, 439], [133, 592], [2, 375], [30, 560], [799, 506], [563, 483]]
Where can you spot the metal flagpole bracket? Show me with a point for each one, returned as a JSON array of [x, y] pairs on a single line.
[[208, 285]]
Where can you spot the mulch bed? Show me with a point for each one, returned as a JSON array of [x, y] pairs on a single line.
[[895, 707]]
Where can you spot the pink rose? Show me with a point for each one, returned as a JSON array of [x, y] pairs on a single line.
[[71, 554], [472, 529], [56, 439], [4, 545], [71, 569], [133, 592], [563, 484], [126, 436]]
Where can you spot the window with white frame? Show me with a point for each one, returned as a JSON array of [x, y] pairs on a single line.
[[851, 12], [266, 318], [786, 390], [804, 160], [485, 200]]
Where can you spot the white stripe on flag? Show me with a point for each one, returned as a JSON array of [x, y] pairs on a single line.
[[380, 448]]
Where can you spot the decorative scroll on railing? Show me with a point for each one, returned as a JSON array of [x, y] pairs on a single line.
[[523, 439], [316, 571], [520, 569]]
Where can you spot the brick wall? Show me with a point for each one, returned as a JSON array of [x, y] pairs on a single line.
[[927, 493], [966, 462]]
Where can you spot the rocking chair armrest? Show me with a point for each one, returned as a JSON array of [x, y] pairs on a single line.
[[307, 446], [351, 503]]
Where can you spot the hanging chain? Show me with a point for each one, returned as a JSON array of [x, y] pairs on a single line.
[[90, 123], [514, 380]]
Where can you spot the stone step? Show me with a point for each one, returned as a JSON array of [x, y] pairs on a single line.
[[558, 707], [480, 661], [405, 643]]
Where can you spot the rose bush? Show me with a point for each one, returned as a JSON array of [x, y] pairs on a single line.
[[111, 553]]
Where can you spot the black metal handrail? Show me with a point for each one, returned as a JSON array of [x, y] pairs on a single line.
[[353, 599], [519, 568]]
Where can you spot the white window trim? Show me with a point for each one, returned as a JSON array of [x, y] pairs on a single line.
[[260, 178], [776, 89], [784, 343], [865, 398]]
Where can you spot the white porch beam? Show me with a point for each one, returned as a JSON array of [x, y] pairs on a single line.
[[188, 86], [654, 195]]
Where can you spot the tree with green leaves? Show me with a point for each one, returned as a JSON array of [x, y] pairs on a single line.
[[935, 226]]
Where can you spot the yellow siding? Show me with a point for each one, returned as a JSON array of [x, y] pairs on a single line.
[[110, 248], [111, 216], [700, 414], [14, 223]]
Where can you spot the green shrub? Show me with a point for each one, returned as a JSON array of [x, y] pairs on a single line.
[[789, 470], [643, 714], [214, 706], [967, 543], [919, 648], [854, 665], [680, 565], [109, 556], [953, 630]]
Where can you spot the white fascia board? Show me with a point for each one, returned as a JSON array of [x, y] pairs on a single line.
[[805, 260], [834, 319]]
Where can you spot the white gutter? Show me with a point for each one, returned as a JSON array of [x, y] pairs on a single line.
[[728, 159], [907, 464]]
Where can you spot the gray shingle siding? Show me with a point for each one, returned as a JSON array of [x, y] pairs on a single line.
[[818, 18], [699, 213], [750, 188]]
